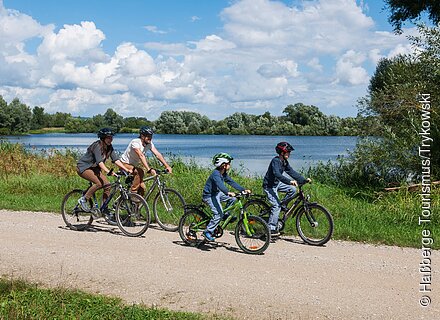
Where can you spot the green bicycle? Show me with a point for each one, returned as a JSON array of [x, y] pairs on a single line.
[[252, 233]]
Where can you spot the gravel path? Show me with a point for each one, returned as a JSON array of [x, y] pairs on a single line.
[[290, 281]]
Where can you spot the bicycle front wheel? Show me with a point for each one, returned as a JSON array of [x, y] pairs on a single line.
[[132, 215], [254, 236], [168, 207], [191, 227], [314, 224], [74, 217]]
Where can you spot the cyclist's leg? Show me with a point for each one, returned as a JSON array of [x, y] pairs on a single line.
[[138, 175], [214, 204], [225, 198], [95, 176], [275, 207], [289, 190]]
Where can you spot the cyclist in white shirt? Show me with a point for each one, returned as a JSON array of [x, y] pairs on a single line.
[[134, 157]]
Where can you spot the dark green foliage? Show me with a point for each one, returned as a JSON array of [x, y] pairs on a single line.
[[15, 117], [299, 119], [403, 10]]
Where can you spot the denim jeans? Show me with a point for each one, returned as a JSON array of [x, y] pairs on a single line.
[[214, 203], [272, 195]]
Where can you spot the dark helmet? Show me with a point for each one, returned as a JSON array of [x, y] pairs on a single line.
[[146, 131], [221, 158], [283, 147], [105, 132]]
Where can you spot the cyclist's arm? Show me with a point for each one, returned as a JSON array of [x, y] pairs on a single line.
[[278, 171], [144, 161], [233, 184], [121, 165], [295, 175], [159, 157], [103, 167]]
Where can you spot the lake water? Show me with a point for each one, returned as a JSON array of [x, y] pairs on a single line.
[[252, 154]]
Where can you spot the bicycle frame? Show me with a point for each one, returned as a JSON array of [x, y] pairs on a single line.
[[157, 183], [234, 210], [114, 187]]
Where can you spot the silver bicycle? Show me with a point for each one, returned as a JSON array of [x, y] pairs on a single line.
[[168, 204]]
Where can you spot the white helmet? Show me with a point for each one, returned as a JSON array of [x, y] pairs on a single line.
[[221, 158]]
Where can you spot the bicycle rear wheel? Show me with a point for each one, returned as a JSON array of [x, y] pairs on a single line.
[[74, 217], [257, 239], [168, 208], [191, 227], [132, 215], [314, 224]]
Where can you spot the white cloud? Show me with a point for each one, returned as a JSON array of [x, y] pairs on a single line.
[[155, 29], [266, 56], [349, 71], [73, 42]]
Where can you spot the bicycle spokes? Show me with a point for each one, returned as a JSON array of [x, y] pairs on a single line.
[[252, 235], [314, 224]]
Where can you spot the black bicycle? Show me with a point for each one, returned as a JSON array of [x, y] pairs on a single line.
[[314, 223], [129, 210]]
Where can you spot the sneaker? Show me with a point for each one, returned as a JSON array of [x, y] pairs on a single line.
[[274, 233], [83, 203], [109, 216], [208, 236]]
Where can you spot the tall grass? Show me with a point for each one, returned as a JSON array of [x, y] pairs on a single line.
[[38, 182]]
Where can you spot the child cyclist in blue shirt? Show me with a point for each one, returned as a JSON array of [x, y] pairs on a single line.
[[216, 192], [274, 181]]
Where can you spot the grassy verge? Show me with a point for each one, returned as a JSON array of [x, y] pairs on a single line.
[[38, 183], [19, 300], [48, 130]]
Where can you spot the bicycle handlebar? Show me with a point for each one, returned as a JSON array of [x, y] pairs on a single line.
[[159, 171], [303, 184], [242, 194]]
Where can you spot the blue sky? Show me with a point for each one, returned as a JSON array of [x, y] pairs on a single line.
[[216, 57]]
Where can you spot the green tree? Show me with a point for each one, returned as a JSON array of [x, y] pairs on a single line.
[[113, 120], [74, 125], [403, 10], [20, 116], [59, 119], [5, 117], [39, 118], [170, 122], [394, 99], [303, 114]]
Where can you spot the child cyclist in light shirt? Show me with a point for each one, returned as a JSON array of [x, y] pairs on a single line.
[[274, 182], [134, 157], [216, 192]]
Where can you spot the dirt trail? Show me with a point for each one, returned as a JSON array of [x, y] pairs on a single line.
[[290, 281]]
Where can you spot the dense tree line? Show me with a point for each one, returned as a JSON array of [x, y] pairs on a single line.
[[297, 119]]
